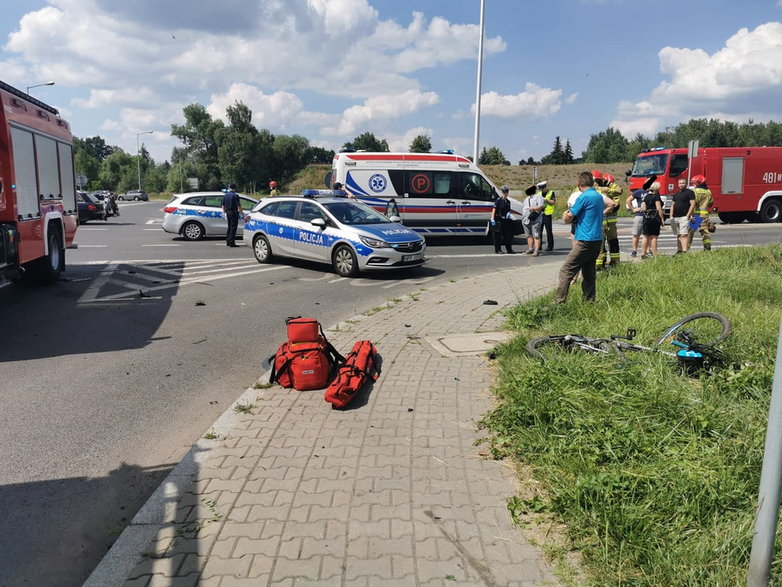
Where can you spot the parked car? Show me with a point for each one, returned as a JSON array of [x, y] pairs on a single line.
[[199, 214], [135, 195], [323, 226], [108, 204], [90, 208]]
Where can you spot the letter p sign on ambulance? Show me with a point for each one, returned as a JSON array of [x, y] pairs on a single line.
[[420, 183]]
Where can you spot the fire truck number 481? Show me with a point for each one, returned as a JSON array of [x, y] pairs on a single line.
[[772, 177]]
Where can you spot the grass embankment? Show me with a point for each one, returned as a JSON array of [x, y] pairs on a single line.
[[655, 475]]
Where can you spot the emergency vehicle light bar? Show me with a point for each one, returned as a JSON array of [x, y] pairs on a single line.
[[313, 193]]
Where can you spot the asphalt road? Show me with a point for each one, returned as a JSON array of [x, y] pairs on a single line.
[[109, 376]]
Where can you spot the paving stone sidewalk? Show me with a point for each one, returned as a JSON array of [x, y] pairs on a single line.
[[392, 491]]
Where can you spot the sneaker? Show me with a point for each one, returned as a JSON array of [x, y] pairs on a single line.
[[634, 254], [535, 253], [646, 255], [529, 252], [498, 252]]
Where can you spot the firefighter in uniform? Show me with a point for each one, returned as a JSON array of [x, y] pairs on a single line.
[[703, 203], [609, 250]]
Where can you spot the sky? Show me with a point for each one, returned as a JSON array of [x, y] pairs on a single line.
[[330, 70]]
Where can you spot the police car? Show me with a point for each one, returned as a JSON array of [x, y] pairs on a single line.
[[326, 226], [198, 214]]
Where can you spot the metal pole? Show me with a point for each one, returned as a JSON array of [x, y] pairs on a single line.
[[770, 484], [478, 91], [38, 86]]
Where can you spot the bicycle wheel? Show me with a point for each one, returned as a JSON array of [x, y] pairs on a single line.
[[706, 328], [543, 347]]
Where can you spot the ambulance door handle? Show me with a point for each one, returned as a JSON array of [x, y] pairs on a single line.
[[465, 202], [450, 202]]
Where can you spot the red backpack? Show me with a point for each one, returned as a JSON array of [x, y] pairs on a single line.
[[307, 360], [362, 364]]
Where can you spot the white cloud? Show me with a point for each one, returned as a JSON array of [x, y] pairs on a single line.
[[402, 142], [533, 103], [745, 75], [381, 108]]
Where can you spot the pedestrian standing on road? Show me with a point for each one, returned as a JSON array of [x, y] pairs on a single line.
[[232, 208], [532, 219], [653, 219], [273, 188], [550, 198], [587, 212], [681, 211], [703, 203], [501, 222], [633, 203]]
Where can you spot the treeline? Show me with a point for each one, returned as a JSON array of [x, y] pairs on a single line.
[[215, 153], [610, 146], [212, 152]]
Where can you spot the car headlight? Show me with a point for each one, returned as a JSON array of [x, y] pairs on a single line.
[[373, 242]]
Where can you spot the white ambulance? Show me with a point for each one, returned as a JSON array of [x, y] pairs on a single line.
[[434, 193]]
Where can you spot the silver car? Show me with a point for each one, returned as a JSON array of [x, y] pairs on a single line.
[[199, 214], [322, 226]]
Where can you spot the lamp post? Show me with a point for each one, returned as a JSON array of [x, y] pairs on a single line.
[[477, 132], [38, 86], [138, 154]]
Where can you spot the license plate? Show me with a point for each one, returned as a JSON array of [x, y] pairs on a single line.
[[408, 258]]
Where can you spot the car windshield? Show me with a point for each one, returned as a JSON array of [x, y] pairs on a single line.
[[355, 213], [647, 165]]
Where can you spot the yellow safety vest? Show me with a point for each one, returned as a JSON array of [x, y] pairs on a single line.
[[549, 209], [703, 201]]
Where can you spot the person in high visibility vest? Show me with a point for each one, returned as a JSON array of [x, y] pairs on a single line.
[[548, 213], [273, 188], [703, 203], [609, 249]]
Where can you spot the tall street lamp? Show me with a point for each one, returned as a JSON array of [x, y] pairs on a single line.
[[477, 132], [39, 85], [138, 154]]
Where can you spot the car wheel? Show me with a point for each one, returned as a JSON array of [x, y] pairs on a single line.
[[135, 198], [345, 262], [47, 269], [192, 231], [120, 198], [262, 249]]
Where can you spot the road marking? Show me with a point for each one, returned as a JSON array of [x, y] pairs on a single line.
[[93, 246], [162, 245]]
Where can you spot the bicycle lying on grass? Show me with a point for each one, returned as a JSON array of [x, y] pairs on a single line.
[[695, 336]]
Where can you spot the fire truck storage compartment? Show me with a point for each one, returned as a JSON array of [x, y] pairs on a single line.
[[732, 175], [27, 206]]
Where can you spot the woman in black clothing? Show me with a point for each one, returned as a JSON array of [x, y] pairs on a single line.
[[652, 208]]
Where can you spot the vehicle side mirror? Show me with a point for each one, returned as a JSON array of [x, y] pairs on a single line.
[[319, 222], [629, 172], [395, 218]]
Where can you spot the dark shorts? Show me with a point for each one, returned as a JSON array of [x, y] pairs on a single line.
[[651, 226]]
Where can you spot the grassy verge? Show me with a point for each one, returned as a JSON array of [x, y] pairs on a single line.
[[654, 474]]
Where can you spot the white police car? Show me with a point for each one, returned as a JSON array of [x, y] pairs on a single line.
[[198, 214], [325, 226]]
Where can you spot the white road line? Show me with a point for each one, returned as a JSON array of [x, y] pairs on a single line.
[[93, 246], [162, 245]]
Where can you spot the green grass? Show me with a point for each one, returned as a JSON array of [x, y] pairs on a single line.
[[654, 474]]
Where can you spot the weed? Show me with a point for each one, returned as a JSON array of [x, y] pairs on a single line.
[[210, 435], [263, 385], [244, 408]]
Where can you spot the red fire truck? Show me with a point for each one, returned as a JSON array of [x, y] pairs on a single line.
[[38, 210], [746, 182]]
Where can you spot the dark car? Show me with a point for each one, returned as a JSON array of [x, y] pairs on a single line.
[[90, 208], [135, 195]]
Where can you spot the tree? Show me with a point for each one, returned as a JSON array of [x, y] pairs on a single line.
[[492, 156], [199, 135], [608, 146], [240, 153], [366, 142], [568, 154], [421, 144]]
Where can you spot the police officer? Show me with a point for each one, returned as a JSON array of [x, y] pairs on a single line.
[[703, 203], [502, 223], [232, 207], [548, 213]]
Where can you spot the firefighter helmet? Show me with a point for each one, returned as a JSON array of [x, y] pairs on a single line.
[[597, 174], [272, 184], [698, 179], [609, 178]]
